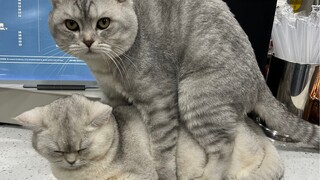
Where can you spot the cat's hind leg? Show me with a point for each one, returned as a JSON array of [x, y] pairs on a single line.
[[254, 156], [161, 118], [210, 115]]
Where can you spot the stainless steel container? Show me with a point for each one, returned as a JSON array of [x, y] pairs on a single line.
[[295, 86]]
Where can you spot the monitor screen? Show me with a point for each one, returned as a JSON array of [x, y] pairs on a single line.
[[28, 53]]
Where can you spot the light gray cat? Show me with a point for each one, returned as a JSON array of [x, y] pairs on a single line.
[[179, 62], [83, 140]]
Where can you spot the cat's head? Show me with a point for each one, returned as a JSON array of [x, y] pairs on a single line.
[[93, 29], [71, 132]]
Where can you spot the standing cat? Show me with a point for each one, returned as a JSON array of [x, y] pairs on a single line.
[[82, 140], [177, 61]]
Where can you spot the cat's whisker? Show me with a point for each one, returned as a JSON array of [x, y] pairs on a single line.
[[43, 61], [65, 53], [105, 60], [115, 63], [64, 65], [74, 51], [49, 47], [123, 65], [52, 51], [61, 50], [105, 46], [119, 51], [54, 54], [119, 48]]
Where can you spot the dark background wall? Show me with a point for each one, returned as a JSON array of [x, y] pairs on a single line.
[[256, 18]]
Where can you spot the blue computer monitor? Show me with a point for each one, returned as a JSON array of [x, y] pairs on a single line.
[[28, 53]]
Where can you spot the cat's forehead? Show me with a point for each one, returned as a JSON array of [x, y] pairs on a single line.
[[87, 9], [69, 108]]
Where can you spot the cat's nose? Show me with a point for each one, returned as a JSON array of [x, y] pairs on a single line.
[[70, 158], [71, 162], [88, 43]]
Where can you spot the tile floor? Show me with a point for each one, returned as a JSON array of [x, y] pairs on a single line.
[[18, 160]]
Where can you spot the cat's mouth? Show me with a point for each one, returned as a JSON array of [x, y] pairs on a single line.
[[77, 165], [88, 54], [90, 51], [73, 167]]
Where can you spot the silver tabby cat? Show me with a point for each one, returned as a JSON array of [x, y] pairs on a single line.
[[179, 62], [83, 140]]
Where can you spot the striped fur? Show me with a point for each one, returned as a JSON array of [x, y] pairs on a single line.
[[179, 62], [117, 145]]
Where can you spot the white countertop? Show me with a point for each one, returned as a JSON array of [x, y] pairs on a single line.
[[18, 160]]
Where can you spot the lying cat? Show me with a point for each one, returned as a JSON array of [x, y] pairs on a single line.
[[84, 140], [179, 62]]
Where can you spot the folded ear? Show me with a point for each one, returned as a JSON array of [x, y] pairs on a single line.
[[55, 3], [31, 119], [100, 113]]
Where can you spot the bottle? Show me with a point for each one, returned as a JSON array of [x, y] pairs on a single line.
[[312, 107], [295, 4]]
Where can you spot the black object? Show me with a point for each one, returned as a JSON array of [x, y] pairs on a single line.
[[276, 71], [61, 87], [256, 19], [57, 87]]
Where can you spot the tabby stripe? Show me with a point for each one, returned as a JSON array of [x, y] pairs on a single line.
[[168, 148], [76, 3], [162, 135], [197, 119], [312, 133], [165, 109], [162, 125], [215, 147], [88, 9]]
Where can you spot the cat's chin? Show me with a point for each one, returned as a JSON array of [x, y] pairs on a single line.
[[72, 167], [90, 55]]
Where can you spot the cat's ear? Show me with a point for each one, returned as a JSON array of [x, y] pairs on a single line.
[[55, 3], [31, 119], [100, 114]]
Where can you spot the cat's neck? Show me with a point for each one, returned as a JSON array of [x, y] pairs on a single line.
[[111, 154], [100, 65]]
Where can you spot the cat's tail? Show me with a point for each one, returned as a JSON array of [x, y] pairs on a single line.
[[278, 118]]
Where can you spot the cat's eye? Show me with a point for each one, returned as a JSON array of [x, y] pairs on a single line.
[[81, 150], [58, 152], [103, 23], [72, 25]]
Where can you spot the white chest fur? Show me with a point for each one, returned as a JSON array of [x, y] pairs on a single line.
[[106, 75], [112, 88]]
